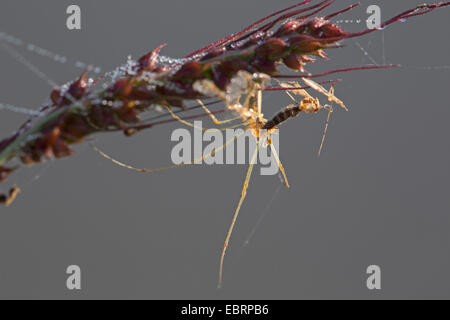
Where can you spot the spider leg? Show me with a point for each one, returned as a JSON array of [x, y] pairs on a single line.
[[129, 167], [8, 199], [213, 118], [280, 165], [199, 128], [236, 213]]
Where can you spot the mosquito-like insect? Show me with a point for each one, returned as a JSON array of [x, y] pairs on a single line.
[[307, 105]]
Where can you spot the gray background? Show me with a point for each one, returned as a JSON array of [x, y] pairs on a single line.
[[378, 195]]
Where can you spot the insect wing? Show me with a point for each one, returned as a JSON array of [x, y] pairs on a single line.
[[322, 90]]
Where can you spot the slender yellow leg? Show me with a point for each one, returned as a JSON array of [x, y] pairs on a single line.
[[259, 102], [126, 166], [286, 84], [213, 118], [8, 199], [280, 165], [290, 95], [325, 130], [199, 128], [181, 120], [236, 213]]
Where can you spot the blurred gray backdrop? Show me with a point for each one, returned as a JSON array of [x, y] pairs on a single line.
[[379, 194]]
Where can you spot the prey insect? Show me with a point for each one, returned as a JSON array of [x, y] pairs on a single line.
[[307, 105]]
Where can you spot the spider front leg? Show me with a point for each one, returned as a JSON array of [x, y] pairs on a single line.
[[189, 124], [213, 117]]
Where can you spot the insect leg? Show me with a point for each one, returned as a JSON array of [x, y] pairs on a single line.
[[325, 130]]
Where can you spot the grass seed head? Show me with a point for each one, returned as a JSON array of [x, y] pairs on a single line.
[[79, 110]]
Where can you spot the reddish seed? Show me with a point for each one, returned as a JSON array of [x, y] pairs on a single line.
[[191, 70], [329, 31], [122, 87], [316, 23], [78, 88], [55, 96], [75, 128], [288, 28], [214, 53], [294, 61], [272, 49], [305, 44], [129, 132], [26, 159], [103, 117], [5, 172], [148, 62], [61, 149], [265, 66], [223, 72]]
